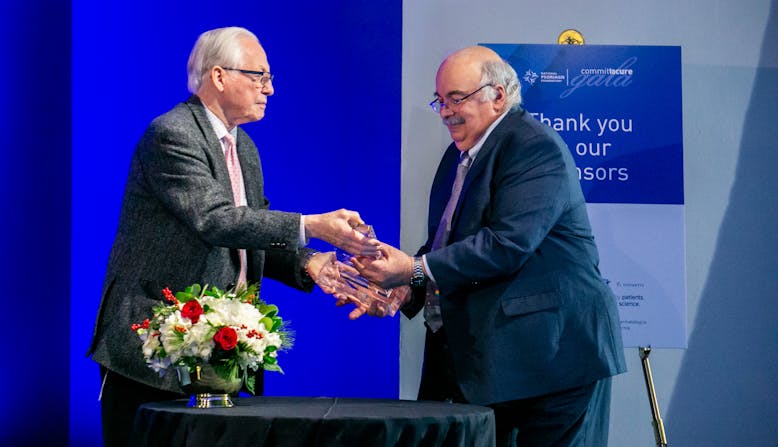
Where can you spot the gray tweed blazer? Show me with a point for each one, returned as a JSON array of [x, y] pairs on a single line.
[[179, 226]]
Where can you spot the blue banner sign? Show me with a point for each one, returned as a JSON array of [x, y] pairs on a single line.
[[619, 110]]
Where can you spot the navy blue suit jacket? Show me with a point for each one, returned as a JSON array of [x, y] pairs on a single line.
[[525, 309]]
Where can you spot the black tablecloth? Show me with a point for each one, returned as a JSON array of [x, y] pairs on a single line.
[[300, 421]]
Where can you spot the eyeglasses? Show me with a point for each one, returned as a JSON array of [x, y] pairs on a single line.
[[437, 104], [257, 77]]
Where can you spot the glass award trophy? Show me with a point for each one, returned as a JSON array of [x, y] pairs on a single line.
[[357, 288]]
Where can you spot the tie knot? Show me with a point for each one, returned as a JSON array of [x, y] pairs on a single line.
[[465, 159], [229, 141]]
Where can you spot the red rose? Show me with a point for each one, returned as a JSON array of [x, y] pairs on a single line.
[[226, 338], [192, 310]]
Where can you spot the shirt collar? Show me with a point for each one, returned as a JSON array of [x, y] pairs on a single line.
[[219, 127], [473, 151]]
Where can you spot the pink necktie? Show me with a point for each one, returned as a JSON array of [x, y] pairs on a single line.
[[238, 193]]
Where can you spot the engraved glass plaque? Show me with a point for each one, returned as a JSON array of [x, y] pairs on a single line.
[[357, 288]]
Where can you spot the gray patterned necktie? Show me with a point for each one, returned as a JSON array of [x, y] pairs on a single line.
[[432, 300]]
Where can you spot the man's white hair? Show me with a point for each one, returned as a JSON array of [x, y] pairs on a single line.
[[219, 46], [500, 72]]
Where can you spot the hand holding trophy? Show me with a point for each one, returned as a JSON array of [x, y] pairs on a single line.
[[367, 296]]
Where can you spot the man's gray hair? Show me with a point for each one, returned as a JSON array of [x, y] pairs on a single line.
[[500, 72], [215, 47]]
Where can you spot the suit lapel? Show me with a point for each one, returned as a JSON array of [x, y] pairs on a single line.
[[481, 162], [485, 153], [442, 184], [249, 161], [213, 146], [252, 171]]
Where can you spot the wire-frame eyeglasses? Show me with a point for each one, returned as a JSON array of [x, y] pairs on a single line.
[[258, 77], [437, 104]]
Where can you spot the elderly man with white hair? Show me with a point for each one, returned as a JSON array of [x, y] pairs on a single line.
[[194, 211]]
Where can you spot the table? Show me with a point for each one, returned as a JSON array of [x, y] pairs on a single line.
[[304, 421]]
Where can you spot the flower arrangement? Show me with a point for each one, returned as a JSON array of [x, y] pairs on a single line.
[[232, 331]]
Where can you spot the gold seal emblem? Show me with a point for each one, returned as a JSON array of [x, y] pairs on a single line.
[[570, 37]]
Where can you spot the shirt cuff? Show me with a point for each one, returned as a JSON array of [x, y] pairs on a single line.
[[303, 241], [427, 269]]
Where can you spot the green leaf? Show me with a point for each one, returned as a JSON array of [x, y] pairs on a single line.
[[160, 309], [214, 292], [270, 310], [250, 380], [268, 322], [227, 369], [184, 297], [273, 367]]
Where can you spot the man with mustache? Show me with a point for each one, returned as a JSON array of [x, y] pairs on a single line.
[[518, 317], [194, 211]]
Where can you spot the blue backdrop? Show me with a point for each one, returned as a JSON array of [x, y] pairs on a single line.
[[35, 233], [81, 93]]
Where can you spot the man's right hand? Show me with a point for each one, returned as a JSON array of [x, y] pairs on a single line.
[[337, 228], [392, 269]]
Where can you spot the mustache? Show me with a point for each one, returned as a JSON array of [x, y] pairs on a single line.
[[453, 120]]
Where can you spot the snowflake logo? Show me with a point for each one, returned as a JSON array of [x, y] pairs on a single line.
[[530, 76]]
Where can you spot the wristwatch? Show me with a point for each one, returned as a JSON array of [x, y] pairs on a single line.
[[305, 260], [418, 278]]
